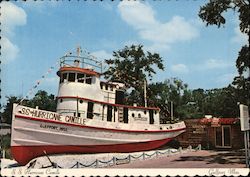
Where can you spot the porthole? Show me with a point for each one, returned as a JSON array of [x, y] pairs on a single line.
[[133, 115], [81, 101], [139, 115]]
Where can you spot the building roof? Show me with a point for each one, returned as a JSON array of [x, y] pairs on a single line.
[[224, 121], [80, 70]]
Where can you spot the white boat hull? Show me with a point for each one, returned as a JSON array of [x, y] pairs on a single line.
[[34, 136]]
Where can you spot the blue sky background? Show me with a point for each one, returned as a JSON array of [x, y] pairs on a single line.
[[36, 34]]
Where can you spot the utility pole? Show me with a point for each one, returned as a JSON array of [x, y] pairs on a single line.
[[145, 93], [172, 111]]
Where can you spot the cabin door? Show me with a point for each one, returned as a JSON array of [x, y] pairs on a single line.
[[223, 136], [151, 116], [90, 110], [119, 97], [125, 115], [109, 113]]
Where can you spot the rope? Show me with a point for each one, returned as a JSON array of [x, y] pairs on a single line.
[[136, 157], [121, 158], [111, 160], [150, 155], [38, 82]]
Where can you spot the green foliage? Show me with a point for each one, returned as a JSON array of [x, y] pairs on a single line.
[[5, 145], [160, 95], [7, 113], [5, 141], [41, 99], [133, 66]]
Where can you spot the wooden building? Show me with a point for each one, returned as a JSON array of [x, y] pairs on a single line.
[[213, 133]]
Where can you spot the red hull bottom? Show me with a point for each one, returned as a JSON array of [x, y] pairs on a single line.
[[23, 154]]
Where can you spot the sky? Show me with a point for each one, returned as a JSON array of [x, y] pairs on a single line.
[[36, 34]]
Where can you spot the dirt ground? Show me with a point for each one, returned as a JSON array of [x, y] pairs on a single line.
[[198, 159]]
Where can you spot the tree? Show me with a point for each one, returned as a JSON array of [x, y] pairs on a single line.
[[41, 99], [7, 112], [133, 66], [221, 102], [212, 14], [161, 94]]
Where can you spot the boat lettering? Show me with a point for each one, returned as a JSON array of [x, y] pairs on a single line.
[[141, 118], [41, 114], [72, 119], [53, 127]]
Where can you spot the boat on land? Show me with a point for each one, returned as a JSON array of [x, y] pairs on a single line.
[[91, 117]]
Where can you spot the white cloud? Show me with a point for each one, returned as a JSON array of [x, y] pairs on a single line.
[[142, 18], [180, 68], [239, 37], [216, 64], [11, 17], [136, 14], [9, 50], [176, 30]]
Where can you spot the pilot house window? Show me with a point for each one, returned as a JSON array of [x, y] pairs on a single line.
[[63, 77], [88, 79], [72, 77], [80, 77]]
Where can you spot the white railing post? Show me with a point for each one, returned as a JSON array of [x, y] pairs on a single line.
[[114, 160], [180, 149], [190, 147], [129, 158], [169, 151], [96, 163], [3, 153]]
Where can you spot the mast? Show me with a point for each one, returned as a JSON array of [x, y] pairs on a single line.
[[78, 53], [145, 93]]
